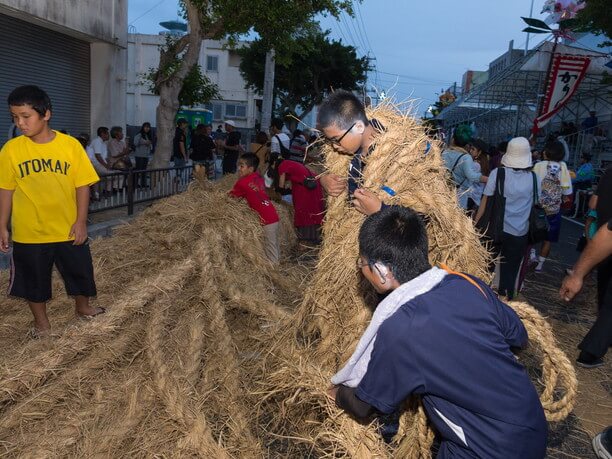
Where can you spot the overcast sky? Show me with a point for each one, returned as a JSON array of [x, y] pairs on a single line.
[[420, 46]]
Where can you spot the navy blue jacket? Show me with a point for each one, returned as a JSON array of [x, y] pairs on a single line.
[[451, 345]]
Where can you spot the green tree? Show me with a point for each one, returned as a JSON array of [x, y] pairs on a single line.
[[197, 88], [596, 17], [307, 66], [272, 20]]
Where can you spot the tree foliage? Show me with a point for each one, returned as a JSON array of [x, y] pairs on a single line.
[[272, 20], [596, 17], [197, 89], [309, 64]]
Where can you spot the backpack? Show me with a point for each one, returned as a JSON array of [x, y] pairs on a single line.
[[284, 151], [550, 194]]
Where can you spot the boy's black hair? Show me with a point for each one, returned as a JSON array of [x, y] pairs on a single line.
[[396, 236], [341, 109], [251, 160], [114, 130], [277, 123], [101, 130], [480, 145], [502, 146], [30, 95], [554, 151]]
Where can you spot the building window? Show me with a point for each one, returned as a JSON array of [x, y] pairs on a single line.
[[212, 63], [234, 59], [235, 111]]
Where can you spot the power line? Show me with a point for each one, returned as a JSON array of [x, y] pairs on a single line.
[[410, 77], [147, 12], [363, 27]]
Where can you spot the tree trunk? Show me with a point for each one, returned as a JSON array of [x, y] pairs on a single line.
[[169, 86], [165, 115]]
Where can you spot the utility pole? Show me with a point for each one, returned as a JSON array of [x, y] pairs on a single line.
[[527, 42], [268, 91]]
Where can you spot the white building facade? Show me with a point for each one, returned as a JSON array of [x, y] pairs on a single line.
[[221, 66], [76, 51]]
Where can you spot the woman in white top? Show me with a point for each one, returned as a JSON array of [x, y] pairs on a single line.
[[518, 191], [478, 150]]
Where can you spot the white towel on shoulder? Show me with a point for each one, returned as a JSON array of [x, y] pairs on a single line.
[[352, 373]]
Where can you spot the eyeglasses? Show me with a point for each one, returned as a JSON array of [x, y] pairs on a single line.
[[338, 140]]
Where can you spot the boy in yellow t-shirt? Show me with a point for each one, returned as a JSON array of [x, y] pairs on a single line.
[[44, 179]]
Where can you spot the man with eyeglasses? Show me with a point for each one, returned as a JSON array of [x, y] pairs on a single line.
[[343, 122]]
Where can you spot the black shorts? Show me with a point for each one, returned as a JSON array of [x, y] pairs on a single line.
[[32, 266]]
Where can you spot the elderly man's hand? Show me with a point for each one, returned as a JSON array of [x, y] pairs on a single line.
[[570, 287]]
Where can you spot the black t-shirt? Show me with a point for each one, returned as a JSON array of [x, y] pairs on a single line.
[[203, 146], [233, 139], [604, 197], [179, 136]]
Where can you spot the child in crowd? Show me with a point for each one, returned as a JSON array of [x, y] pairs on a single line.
[[251, 186], [446, 337], [555, 188], [307, 199], [44, 180], [344, 125]]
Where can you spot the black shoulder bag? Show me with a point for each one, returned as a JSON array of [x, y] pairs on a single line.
[[491, 224], [538, 223]]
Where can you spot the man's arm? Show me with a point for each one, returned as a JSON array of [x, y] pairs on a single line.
[[594, 253], [101, 160], [6, 201], [79, 229]]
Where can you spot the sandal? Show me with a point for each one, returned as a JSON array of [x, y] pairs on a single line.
[[99, 310]]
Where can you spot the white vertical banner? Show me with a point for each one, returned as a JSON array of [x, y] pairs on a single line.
[[565, 76]]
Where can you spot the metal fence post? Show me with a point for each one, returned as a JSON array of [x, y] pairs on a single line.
[[130, 192]]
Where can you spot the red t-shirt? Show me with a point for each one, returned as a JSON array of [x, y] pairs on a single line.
[[253, 189]]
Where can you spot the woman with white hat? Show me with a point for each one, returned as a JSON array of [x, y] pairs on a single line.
[[518, 191]]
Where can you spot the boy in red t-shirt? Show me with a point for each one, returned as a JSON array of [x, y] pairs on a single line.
[[251, 186]]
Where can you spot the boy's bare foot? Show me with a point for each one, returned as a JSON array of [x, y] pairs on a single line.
[[37, 333]]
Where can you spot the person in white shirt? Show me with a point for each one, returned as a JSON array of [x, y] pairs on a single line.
[[277, 136], [98, 152]]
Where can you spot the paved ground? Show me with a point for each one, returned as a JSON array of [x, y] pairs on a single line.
[[593, 411]]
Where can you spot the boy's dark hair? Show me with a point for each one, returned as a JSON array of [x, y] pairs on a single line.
[[30, 95], [554, 150], [502, 146], [341, 109], [480, 145], [101, 130], [277, 123], [181, 121], [115, 130], [251, 160], [297, 133], [396, 236]]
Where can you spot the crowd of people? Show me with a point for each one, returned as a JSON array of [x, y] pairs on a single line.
[[446, 336]]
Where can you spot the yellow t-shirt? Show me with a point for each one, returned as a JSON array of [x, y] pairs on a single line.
[[45, 178]]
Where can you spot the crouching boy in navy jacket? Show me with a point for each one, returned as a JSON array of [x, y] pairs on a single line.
[[446, 337]]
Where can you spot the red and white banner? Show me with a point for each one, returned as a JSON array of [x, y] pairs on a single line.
[[566, 73]]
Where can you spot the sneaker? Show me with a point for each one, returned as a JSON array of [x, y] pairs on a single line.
[[533, 258], [602, 444], [539, 268], [589, 362]]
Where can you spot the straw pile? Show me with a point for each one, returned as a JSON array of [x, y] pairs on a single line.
[[165, 371], [201, 353]]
